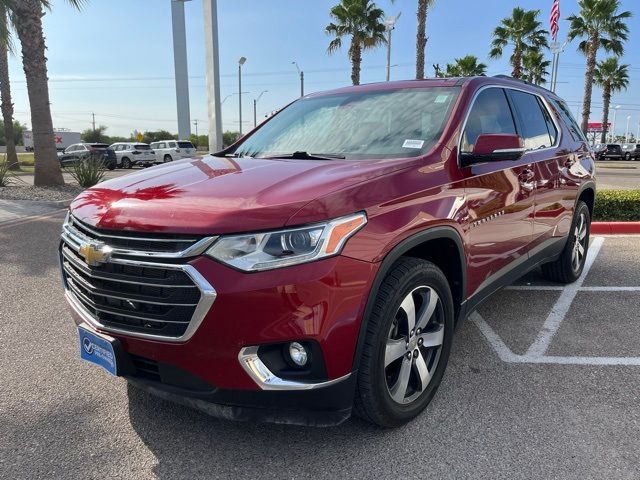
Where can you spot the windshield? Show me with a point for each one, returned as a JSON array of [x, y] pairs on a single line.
[[386, 124]]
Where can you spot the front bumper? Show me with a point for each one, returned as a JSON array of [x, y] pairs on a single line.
[[320, 302]]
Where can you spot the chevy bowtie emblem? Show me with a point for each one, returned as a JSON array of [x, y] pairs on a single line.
[[95, 253]]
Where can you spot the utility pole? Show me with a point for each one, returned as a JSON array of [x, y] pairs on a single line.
[[93, 115], [613, 126], [390, 24], [301, 73], [195, 124], [626, 135], [255, 108], [638, 133], [240, 63], [212, 62]]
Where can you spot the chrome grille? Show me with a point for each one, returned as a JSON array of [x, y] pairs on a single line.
[[152, 299]]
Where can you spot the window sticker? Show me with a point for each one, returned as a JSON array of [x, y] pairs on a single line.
[[441, 99], [413, 144]]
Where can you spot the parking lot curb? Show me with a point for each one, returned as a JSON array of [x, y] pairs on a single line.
[[612, 228]]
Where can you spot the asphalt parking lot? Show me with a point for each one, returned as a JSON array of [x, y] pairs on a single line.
[[542, 383]]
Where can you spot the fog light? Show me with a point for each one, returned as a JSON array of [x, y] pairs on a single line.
[[298, 354]]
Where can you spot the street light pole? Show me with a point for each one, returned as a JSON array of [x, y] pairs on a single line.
[[390, 24], [301, 73], [255, 108], [240, 63], [613, 125], [626, 135]]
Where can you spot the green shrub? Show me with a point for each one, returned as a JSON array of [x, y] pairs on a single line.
[[4, 174], [88, 172], [617, 205]]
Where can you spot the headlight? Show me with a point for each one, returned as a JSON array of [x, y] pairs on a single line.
[[265, 251]]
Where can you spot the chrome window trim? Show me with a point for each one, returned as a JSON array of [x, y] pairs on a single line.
[[267, 380], [509, 87]]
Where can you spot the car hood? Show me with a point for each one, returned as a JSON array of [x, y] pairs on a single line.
[[214, 195]]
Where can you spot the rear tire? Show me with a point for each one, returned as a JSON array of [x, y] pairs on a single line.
[[569, 266], [402, 366], [167, 158]]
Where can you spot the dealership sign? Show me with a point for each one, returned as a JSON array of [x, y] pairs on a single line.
[[595, 127]]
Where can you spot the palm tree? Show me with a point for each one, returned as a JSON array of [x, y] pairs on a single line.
[[611, 77], [26, 16], [534, 67], [361, 21], [421, 36], [523, 31], [5, 91], [599, 25], [466, 66]]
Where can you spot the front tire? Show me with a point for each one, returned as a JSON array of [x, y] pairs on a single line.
[[126, 163], [568, 268], [407, 344]]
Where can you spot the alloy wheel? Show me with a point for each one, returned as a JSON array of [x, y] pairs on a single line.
[[580, 242], [414, 344]]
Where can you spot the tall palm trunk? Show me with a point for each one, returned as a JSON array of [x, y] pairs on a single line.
[[28, 22], [594, 43], [606, 101], [516, 63], [355, 54], [7, 106], [421, 37]]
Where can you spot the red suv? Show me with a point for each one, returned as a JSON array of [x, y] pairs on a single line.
[[322, 264]]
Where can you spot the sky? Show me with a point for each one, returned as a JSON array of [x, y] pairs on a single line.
[[114, 58]]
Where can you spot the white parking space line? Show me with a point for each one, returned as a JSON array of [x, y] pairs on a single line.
[[536, 353], [610, 289], [555, 288], [563, 304]]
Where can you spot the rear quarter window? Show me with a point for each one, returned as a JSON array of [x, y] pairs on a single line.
[[566, 116]]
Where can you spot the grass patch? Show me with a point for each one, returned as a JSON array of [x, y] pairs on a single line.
[[26, 159], [617, 206]]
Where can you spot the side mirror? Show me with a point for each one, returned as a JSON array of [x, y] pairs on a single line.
[[493, 147]]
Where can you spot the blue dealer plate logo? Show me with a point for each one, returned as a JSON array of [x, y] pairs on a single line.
[[96, 349]]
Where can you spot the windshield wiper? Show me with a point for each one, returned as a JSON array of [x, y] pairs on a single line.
[[300, 155]]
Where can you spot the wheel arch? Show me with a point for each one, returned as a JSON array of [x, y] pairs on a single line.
[[588, 195], [440, 245]]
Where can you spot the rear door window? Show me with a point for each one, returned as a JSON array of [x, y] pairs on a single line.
[[533, 126], [490, 113]]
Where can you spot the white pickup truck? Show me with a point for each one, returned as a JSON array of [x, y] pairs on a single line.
[[63, 139]]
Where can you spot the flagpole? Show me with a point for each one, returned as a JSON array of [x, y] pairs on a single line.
[[555, 46]]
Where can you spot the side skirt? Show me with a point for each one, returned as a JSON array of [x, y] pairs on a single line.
[[548, 251]]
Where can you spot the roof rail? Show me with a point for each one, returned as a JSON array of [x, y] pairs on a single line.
[[509, 77]]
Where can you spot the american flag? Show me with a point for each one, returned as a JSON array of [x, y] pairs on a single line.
[[553, 19]]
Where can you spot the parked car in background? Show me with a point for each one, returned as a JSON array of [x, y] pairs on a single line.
[[132, 153], [169, 150], [613, 152], [84, 151], [631, 151], [322, 264], [62, 139], [598, 150]]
